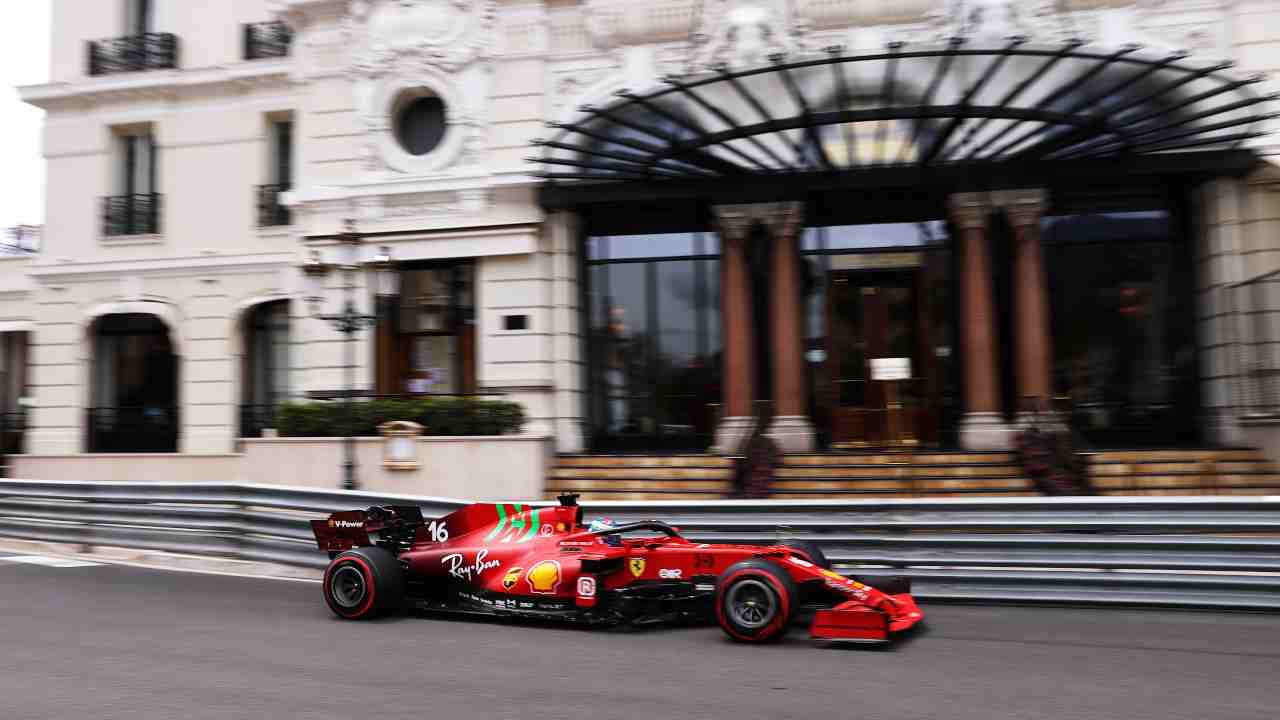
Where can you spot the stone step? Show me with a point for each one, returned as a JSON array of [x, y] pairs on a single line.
[[609, 484], [601, 496], [902, 471], [1203, 467], [906, 486], [640, 472], [924, 458], [643, 461], [856, 494], [1188, 455]]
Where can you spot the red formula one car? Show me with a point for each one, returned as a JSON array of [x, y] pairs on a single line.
[[541, 562]]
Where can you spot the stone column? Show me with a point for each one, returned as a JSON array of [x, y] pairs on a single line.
[[982, 427], [790, 427], [737, 359], [1031, 302]]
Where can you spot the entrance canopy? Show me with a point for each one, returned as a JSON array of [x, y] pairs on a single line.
[[950, 106]]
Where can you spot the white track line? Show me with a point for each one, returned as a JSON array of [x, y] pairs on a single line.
[[47, 561], [69, 562]]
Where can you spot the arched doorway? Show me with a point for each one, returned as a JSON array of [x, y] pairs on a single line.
[[133, 386]]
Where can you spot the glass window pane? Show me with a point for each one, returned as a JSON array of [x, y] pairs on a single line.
[[596, 247], [628, 346], [884, 235], [424, 300], [678, 364], [651, 246], [431, 362], [1151, 225]]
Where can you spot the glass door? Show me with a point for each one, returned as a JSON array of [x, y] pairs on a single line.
[[875, 318]]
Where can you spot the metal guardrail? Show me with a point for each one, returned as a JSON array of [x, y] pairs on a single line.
[[1220, 552]]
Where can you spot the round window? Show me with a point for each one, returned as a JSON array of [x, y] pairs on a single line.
[[420, 123]]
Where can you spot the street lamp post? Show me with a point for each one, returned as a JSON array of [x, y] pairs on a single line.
[[349, 321]]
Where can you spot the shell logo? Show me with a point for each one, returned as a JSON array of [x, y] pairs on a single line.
[[544, 577]]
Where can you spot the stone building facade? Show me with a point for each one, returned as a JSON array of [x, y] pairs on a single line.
[[198, 153]]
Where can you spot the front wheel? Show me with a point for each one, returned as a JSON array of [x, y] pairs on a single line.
[[363, 583], [755, 601]]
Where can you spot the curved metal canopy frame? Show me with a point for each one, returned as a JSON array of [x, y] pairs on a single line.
[[951, 105]]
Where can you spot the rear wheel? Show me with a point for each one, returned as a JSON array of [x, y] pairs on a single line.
[[755, 601], [364, 583]]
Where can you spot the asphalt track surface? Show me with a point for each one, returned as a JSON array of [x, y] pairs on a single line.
[[109, 642]]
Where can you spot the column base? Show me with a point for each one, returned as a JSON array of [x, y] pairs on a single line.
[[733, 431], [985, 431], [1045, 421], [792, 433]]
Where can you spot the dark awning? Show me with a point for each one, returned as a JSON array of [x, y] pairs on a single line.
[[943, 108]]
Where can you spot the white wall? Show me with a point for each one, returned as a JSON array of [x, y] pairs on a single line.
[[480, 468]]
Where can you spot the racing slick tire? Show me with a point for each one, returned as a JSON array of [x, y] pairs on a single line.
[[755, 601], [809, 550], [364, 583]]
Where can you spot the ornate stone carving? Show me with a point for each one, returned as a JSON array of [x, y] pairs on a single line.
[[969, 210], [733, 222], [1024, 207], [1000, 19], [743, 33], [405, 36]]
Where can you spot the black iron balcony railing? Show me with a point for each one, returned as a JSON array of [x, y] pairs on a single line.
[[267, 40], [133, 53], [150, 429], [131, 214], [270, 212]]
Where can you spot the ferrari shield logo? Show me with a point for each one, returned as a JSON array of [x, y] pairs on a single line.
[[510, 579], [637, 566]]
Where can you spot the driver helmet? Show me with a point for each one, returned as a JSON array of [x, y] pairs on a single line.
[[600, 524]]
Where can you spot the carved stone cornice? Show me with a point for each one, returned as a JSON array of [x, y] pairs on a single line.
[[969, 211], [781, 219], [160, 85], [1025, 208]]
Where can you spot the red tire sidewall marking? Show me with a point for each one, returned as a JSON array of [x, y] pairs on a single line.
[[784, 605], [368, 584]]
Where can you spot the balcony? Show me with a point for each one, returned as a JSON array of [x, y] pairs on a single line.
[[133, 53], [267, 40], [131, 215], [270, 212]]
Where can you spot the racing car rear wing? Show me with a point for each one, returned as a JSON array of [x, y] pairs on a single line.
[[396, 524]]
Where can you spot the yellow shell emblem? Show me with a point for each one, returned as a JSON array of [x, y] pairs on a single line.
[[544, 577], [637, 566]]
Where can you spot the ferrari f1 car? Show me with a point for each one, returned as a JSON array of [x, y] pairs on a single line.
[[542, 562]]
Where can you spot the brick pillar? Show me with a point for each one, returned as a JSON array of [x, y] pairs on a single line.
[[983, 426], [738, 366], [790, 427], [1031, 302]]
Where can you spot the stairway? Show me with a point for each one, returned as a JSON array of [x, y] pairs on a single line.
[[871, 474], [1230, 471], [641, 477]]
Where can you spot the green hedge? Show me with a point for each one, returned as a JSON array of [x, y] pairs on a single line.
[[440, 416]]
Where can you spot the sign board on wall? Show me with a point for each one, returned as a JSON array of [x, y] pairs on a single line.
[[890, 368]]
